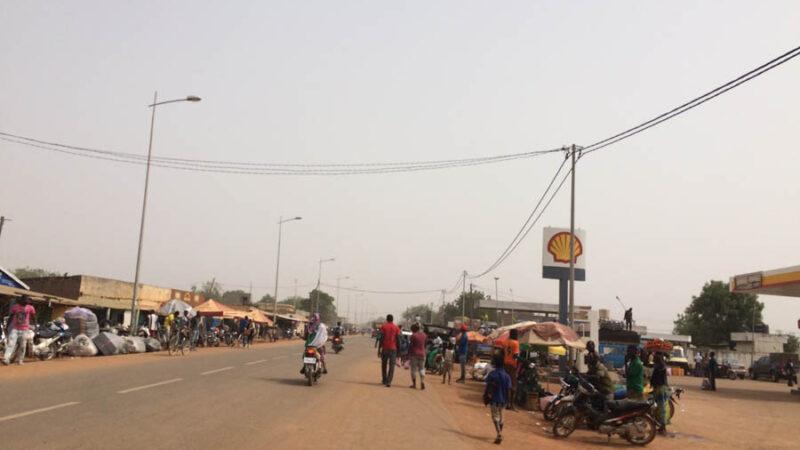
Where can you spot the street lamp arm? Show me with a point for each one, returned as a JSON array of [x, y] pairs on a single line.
[[190, 98]]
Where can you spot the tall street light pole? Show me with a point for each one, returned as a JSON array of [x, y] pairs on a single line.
[[135, 299], [338, 280], [278, 267], [319, 280], [497, 299]]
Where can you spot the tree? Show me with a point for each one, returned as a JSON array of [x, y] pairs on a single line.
[[423, 311], [34, 272], [266, 300], [210, 290], [792, 345], [237, 297], [716, 313], [327, 310], [470, 301]]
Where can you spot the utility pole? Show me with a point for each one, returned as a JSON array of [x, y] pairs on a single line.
[[571, 310], [497, 299], [251, 293], [463, 295], [572, 244], [512, 306], [2, 221], [441, 319]]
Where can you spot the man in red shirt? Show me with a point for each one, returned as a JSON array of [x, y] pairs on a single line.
[[416, 350], [389, 335], [18, 324]]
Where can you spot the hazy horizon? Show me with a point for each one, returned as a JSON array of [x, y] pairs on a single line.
[[705, 196]]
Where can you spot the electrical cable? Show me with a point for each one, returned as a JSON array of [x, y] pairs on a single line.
[[368, 291], [527, 225], [248, 168], [697, 101]]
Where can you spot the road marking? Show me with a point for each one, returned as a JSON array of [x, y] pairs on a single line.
[[147, 386], [255, 362], [217, 370], [279, 357], [35, 411]]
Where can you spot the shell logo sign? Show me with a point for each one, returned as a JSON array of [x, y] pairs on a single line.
[[555, 251], [559, 245]]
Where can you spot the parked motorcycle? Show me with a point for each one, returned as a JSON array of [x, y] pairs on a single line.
[[564, 397], [51, 341], [628, 419], [312, 365], [338, 344]]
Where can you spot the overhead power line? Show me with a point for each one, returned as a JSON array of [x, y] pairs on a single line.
[[530, 222], [368, 291], [251, 168], [695, 102]]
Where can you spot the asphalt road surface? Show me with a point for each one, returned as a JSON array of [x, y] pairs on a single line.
[[219, 398]]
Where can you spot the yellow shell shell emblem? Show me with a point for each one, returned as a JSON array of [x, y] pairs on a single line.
[[559, 247]]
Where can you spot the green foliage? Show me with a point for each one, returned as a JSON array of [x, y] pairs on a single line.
[[236, 297], [792, 345], [211, 290], [423, 311], [716, 313], [34, 272], [470, 302], [322, 303]]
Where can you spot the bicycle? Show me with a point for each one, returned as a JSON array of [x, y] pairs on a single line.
[[178, 342]]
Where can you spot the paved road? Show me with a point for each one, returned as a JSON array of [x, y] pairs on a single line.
[[222, 398]]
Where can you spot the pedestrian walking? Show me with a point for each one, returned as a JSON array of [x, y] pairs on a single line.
[[389, 335], [497, 394], [416, 351], [698, 364], [661, 392], [461, 350], [447, 368], [634, 375], [713, 367], [18, 328], [510, 357]]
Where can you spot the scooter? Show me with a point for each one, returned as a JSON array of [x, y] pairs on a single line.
[[338, 344], [312, 365], [628, 419]]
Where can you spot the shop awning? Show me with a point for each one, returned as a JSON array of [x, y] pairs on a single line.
[[36, 296], [785, 282]]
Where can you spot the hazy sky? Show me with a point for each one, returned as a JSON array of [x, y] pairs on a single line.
[[708, 195]]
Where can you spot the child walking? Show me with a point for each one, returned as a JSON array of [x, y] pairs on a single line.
[[497, 394], [449, 355]]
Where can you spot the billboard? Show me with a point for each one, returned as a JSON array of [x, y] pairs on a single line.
[[556, 246]]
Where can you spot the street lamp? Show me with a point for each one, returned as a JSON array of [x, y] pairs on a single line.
[[497, 299], [134, 300], [319, 279], [337, 292], [278, 268]]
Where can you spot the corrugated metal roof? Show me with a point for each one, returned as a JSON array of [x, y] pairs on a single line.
[[36, 296]]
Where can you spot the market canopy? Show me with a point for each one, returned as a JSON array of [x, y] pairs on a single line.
[[257, 316], [175, 305], [212, 308], [503, 331], [552, 334]]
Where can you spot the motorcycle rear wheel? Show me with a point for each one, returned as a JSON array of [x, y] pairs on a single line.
[[647, 430], [309, 376], [565, 424]]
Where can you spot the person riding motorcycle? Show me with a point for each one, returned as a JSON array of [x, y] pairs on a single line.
[[317, 337], [338, 330]]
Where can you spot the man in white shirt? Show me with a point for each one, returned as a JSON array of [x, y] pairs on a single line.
[[152, 324]]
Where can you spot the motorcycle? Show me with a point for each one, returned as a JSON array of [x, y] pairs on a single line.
[[312, 365], [338, 344], [564, 397], [628, 419], [51, 341]]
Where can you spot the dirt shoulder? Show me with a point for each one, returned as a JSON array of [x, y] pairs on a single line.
[[33, 368], [741, 414]]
